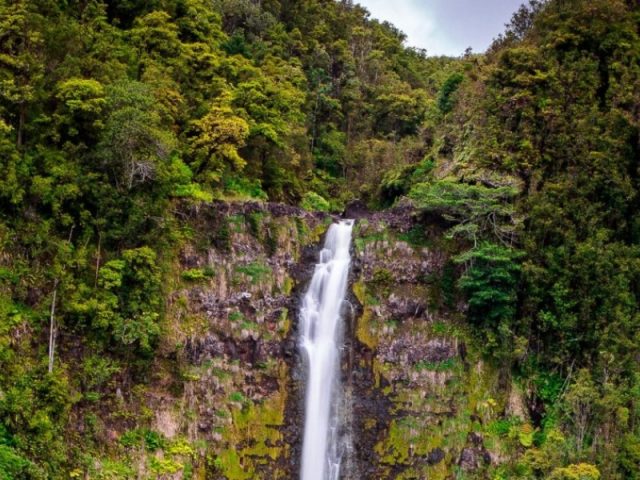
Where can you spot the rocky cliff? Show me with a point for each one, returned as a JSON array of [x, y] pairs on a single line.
[[224, 399]]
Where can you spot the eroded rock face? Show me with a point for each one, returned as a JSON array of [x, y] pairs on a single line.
[[411, 349], [228, 387], [435, 456], [414, 338], [390, 257], [474, 456], [225, 387]]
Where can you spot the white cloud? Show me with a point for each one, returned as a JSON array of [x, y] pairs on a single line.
[[445, 27]]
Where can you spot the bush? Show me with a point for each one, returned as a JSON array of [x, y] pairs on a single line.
[[580, 471], [197, 274], [129, 300], [446, 100], [315, 203]]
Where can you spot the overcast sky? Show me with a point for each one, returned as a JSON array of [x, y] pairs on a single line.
[[445, 27]]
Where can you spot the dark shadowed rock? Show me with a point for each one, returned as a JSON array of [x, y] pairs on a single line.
[[439, 350], [475, 439], [469, 459], [198, 350], [435, 456], [357, 210], [475, 455]]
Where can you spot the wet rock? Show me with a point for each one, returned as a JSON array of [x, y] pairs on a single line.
[[401, 218]]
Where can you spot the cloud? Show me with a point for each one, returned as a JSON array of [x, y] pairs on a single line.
[[445, 27]]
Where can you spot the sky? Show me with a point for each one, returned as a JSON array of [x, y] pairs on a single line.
[[445, 27]]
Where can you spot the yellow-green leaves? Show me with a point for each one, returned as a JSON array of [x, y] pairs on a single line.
[[82, 104], [82, 95], [580, 471], [219, 136]]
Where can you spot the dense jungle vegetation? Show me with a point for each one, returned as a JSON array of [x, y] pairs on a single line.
[[116, 117]]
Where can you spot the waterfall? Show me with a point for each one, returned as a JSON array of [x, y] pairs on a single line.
[[320, 341]]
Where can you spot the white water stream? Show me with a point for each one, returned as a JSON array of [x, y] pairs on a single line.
[[320, 341]]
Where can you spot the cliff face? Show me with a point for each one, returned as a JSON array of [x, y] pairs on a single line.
[[232, 312], [224, 400], [443, 405]]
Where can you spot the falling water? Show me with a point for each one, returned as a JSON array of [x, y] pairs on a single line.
[[320, 339]]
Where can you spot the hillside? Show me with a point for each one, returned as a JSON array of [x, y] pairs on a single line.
[[168, 171]]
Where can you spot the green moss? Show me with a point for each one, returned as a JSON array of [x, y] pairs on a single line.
[[361, 242], [237, 397], [253, 438], [383, 277], [443, 366], [302, 228], [197, 274], [288, 285], [256, 222], [107, 469], [363, 330], [165, 466], [319, 230], [222, 236], [257, 271], [415, 237], [236, 223], [408, 437], [229, 463], [284, 323]]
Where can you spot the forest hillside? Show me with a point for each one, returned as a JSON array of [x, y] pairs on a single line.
[[135, 136]]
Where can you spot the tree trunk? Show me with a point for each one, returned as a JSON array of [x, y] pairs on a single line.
[[21, 121], [52, 327]]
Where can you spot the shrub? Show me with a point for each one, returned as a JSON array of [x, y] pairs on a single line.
[[315, 203], [580, 471]]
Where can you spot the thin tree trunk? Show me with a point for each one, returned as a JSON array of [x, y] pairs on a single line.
[[97, 261], [53, 330], [21, 122], [52, 327]]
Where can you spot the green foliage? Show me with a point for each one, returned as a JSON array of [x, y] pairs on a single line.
[[32, 412], [117, 117], [476, 211], [446, 95], [150, 439], [549, 111], [218, 137], [580, 471], [197, 274], [127, 301], [490, 284], [314, 203], [12, 464], [256, 271], [443, 366], [237, 397], [98, 370], [107, 469]]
